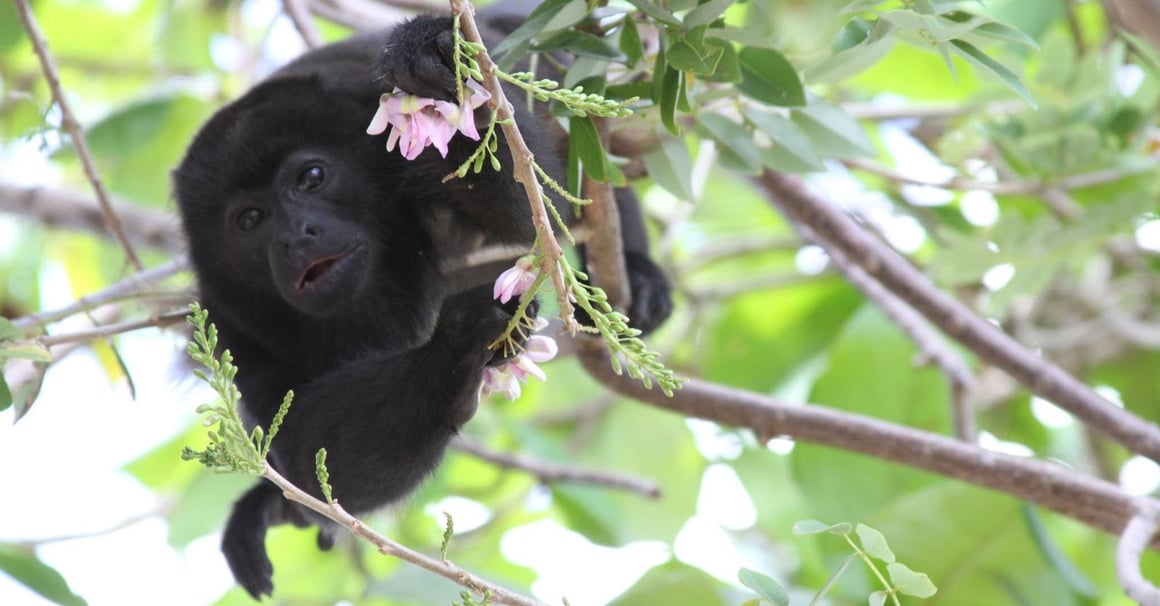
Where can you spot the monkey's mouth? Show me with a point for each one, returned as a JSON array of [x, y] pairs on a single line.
[[319, 268]]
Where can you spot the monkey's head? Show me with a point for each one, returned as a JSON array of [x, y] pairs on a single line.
[[284, 196]]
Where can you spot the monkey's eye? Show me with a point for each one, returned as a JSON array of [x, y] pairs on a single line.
[[248, 219], [311, 178]]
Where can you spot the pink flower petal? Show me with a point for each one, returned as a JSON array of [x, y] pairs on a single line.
[[540, 348], [381, 119], [522, 367]]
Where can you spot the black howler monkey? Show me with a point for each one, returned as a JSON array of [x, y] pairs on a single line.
[[318, 255]]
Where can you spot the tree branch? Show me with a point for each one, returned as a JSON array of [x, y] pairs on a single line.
[[932, 346], [549, 473], [522, 160], [299, 13], [64, 208], [958, 321], [605, 252], [1133, 541], [74, 129], [1096, 502], [386, 546]]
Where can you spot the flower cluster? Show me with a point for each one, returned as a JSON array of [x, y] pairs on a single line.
[[417, 122], [507, 377]]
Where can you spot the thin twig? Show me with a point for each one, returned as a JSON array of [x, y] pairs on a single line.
[[522, 159], [100, 332], [1000, 188], [443, 568], [552, 472], [1134, 540], [879, 111], [932, 346], [954, 318], [132, 284], [74, 129], [299, 13]]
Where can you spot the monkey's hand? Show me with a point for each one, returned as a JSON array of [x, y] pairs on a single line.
[[417, 58], [652, 294]]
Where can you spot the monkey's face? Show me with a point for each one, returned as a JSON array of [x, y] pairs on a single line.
[[309, 231]]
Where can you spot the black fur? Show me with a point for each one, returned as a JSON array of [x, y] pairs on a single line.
[[318, 255]]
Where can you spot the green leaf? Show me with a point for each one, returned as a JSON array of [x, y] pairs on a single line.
[[852, 34], [976, 57], [706, 13], [732, 137], [805, 527], [584, 142], [8, 330], [684, 56], [670, 166], [629, 42], [766, 75], [1005, 33], [765, 586], [792, 149], [858, 6], [27, 569], [5, 394], [1055, 556], [534, 26], [570, 14], [878, 598], [670, 90], [728, 67], [656, 12], [910, 582], [847, 62], [833, 132], [581, 43], [24, 350], [874, 543]]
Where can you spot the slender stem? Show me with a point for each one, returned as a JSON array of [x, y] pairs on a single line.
[[522, 159], [74, 129], [386, 546]]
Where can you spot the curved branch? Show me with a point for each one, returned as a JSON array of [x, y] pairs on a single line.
[[990, 343], [1135, 538]]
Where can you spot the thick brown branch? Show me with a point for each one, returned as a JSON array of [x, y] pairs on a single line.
[[955, 319], [73, 128], [58, 207], [1096, 502], [605, 250]]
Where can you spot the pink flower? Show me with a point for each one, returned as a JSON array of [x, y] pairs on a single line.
[[515, 280], [507, 377], [538, 349], [417, 122], [500, 380]]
